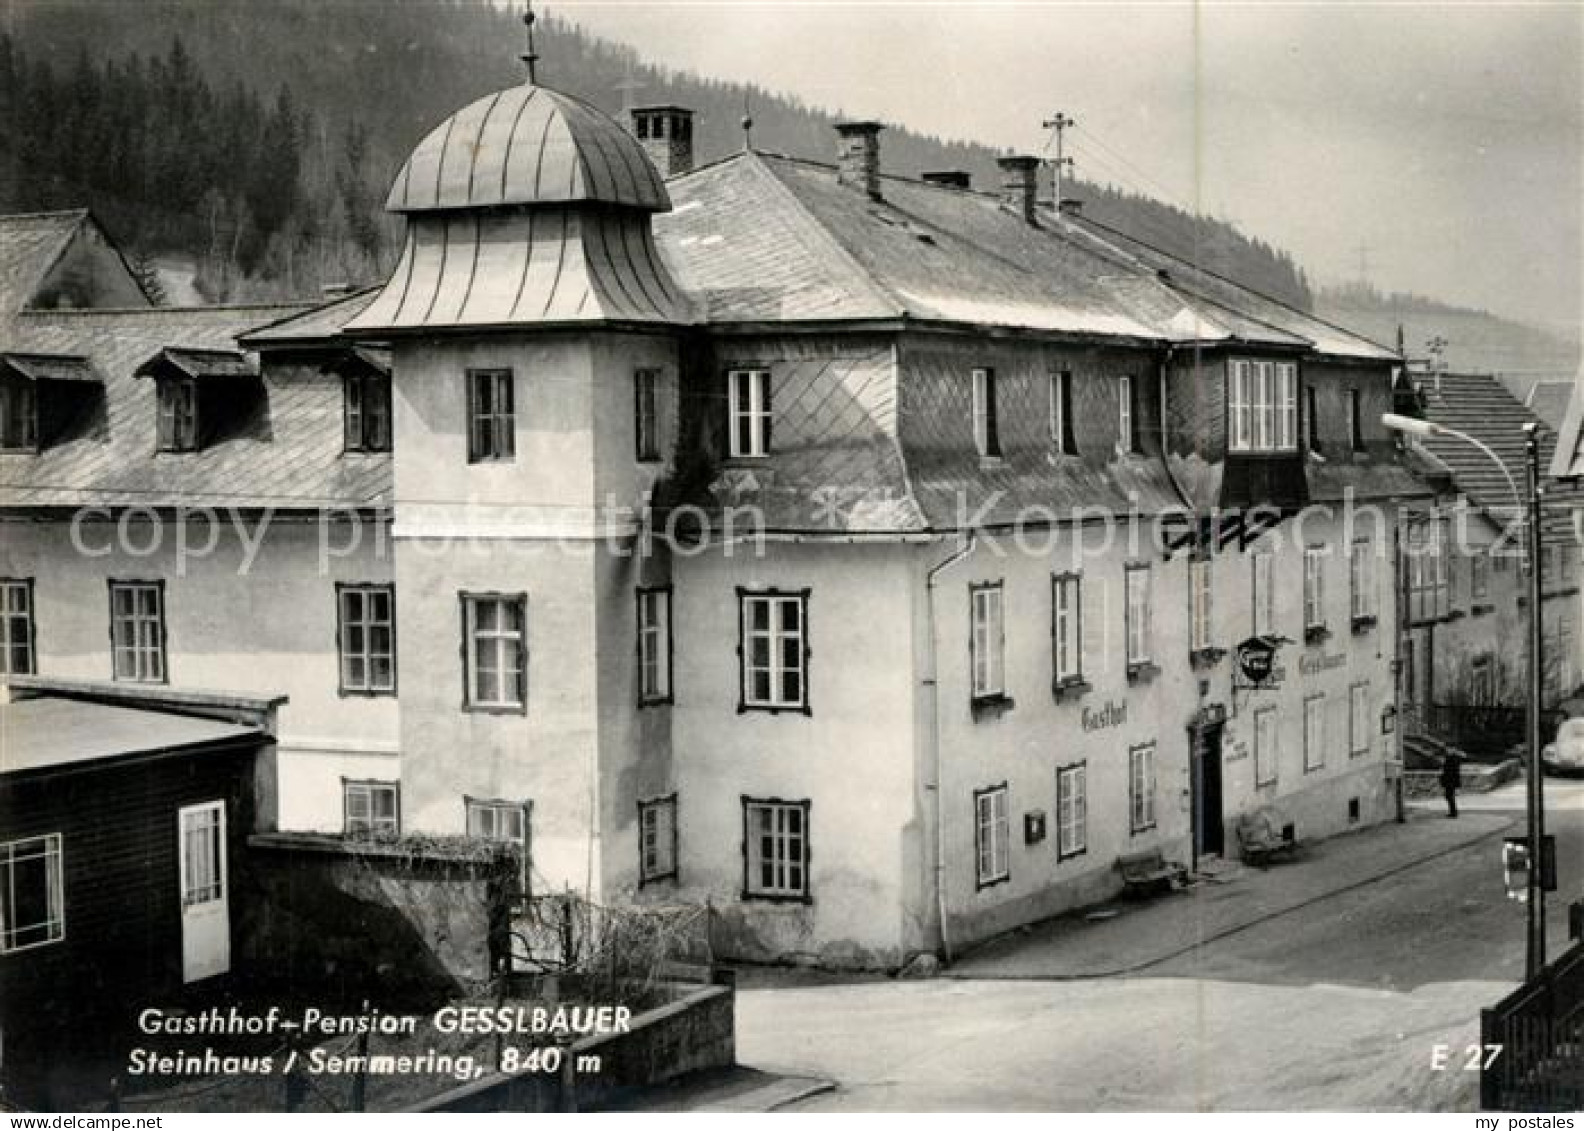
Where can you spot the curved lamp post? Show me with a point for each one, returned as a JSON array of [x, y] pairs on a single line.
[[1523, 503]]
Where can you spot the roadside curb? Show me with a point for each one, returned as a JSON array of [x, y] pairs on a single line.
[[775, 1095], [1137, 967]]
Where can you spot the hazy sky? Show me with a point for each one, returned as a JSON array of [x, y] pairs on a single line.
[[1443, 137]]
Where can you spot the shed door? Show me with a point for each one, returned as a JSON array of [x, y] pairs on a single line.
[[205, 913]]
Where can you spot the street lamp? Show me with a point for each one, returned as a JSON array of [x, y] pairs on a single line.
[[1525, 502]]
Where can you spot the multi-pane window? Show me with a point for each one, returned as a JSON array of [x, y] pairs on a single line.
[[774, 650], [748, 412], [1429, 589], [492, 415], [657, 839], [1267, 748], [1263, 591], [1126, 435], [507, 823], [18, 416], [992, 835], [32, 893], [1314, 587], [654, 646], [776, 849], [494, 627], [16, 626], [1072, 810], [1137, 613], [1359, 723], [367, 400], [987, 641], [1361, 579], [1061, 422], [1263, 406], [1314, 732], [1141, 786], [1199, 604], [646, 415], [178, 414], [137, 630], [1067, 627], [371, 809], [986, 428], [367, 636]]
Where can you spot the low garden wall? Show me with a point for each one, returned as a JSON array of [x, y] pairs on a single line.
[[348, 917], [693, 1032]]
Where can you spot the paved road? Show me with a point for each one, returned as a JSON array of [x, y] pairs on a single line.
[[1337, 1004], [1447, 920]]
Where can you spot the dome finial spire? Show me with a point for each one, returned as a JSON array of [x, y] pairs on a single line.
[[747, 123], [530, 57]]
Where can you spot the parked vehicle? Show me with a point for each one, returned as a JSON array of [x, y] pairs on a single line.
[[1566, 754]]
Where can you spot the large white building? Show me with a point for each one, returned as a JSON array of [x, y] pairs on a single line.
[[863, 554]]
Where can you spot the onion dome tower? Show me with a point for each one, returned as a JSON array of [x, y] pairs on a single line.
[[527, 207]]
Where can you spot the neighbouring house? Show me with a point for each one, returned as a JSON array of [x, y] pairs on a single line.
[[1465, 580], [866, 555], [122, 831]]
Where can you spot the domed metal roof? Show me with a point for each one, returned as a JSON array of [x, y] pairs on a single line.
[[527, 145]]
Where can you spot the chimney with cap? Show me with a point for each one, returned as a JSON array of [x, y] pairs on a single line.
[[666, 133], [949, 178], [1019, 179], [858, 156]]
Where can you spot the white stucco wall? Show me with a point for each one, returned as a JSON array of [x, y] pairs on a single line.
[[256, 614]]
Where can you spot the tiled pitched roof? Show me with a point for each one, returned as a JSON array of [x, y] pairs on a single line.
[[736, 240], [765, 237], [292, 459], [29, 246], [1248, 314], [312, 326], [1483, 408]]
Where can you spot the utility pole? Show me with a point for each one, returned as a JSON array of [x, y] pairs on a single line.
[[1536, 956], [1060, 123]]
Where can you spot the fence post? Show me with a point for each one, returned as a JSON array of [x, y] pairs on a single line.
[[360, 1078]]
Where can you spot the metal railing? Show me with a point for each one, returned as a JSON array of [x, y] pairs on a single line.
[[1534, 1038]]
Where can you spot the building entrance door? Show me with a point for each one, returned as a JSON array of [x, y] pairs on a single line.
[[205, 909], [1209, 827]]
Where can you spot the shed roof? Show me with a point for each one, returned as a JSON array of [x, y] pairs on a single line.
[[50, 366], [37, 734]]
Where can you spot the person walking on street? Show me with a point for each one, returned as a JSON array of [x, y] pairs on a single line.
[[1451, 780]]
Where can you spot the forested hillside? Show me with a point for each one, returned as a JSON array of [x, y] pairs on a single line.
[[256, 140], [1471, 341]]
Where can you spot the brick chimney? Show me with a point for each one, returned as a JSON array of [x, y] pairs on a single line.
[[949, 178], [1019, 178], [858, 156], [666, 133]]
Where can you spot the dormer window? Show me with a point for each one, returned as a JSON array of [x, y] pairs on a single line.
[[1262, 406], [178, 414], [203, 396], [366, 396], [44, 398]]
